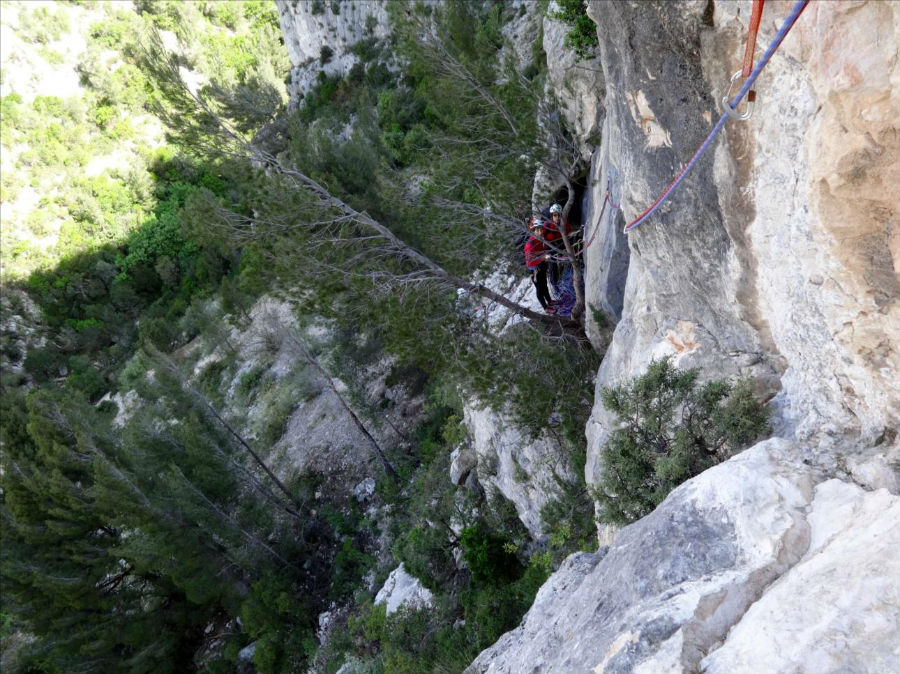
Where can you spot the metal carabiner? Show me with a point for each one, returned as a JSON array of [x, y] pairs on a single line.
[[726, 101]]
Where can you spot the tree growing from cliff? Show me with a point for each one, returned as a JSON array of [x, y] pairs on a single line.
[[380, 225], [671, 428], [321, 219], [582, 35], [376, 227], [499, 125]]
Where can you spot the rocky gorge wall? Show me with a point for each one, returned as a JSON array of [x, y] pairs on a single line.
[[309, 26], [776, 259], [778, 256]]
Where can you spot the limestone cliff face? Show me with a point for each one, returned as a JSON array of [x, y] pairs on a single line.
[[752, 552], [523, 469], [779, 255], [778, 258], [309, 26]]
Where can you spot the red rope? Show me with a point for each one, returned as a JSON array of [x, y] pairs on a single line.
[[606, 200], [597, 228], [755, 16]]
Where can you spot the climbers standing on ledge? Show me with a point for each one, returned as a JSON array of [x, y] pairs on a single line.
[[536, 259], [553, 236]]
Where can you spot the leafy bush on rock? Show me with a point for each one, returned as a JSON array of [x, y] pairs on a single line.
[[671, 429]]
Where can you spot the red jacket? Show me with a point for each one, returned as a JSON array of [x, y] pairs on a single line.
[[551, 233], [534, 252]]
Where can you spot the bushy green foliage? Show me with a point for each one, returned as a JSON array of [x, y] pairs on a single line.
[[351, 564], [60, 137], [273, 617], [582, 35], [424, 539], [42, 24], [437, 430], [436, 639], [91, 300], [671, 428], [568, 518], [487, 557], [161, 523], [118, 31]]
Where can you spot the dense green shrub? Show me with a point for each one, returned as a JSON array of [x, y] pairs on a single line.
[[671, 428], [43, 25], [44, 363], [582, 35], [275, 617], [569, 517], [427, 552], [350, 565], [488, 558]]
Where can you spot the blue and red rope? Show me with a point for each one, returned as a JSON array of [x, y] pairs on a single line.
[[748, 84]]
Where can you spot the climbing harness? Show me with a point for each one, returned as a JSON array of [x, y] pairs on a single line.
[[730, 106]]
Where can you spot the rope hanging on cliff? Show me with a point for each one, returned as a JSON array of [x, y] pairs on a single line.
[[606, 200], [773, 47]]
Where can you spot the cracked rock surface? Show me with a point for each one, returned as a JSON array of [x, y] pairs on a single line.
[[715, 563], [825, 615], [524, 470], [401, 589]]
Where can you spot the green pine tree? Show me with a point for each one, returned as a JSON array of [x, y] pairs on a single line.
[[132, 549], [671, 429]]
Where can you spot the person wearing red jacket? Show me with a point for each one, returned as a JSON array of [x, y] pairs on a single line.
[[553, 229], [553, 235], [536, 259]]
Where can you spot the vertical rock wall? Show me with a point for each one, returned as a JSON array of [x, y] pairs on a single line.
[[524, 470], [778, 255], [777, 258], [685, 271], [823, 232], [310, 25]]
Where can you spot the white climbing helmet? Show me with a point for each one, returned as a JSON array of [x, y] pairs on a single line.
[[555, 208]]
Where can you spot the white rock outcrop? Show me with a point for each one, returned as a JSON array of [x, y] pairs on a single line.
[[403, 590], [825, 614], [577, 84], [519, 467], [462, 461], [745, 565], [309, 26]]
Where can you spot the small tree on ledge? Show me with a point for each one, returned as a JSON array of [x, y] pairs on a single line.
[[671, 429]]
